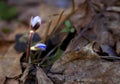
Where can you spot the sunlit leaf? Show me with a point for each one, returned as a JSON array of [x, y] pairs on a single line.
[[68, 27], [67, 23]]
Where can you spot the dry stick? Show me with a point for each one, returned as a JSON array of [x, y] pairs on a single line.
[[28, 46], [46, 32], [58, 20], [73, 6]]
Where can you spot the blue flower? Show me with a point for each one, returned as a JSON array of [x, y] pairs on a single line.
[[35, 22], [40, 46]]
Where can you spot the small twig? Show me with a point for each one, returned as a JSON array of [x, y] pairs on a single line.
[[58, 21], [110, 57], [73, 6], [46, 32]]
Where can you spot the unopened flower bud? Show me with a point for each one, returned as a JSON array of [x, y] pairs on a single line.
[[35, 22]]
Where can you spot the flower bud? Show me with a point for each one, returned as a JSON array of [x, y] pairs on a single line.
[[35, 22], [39, 46]]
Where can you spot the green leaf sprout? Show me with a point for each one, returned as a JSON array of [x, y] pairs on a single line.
[[68, 28]]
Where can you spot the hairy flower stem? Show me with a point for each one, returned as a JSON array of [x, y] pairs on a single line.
[[28, 60]]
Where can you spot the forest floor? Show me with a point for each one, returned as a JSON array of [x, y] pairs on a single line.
[[82, 38]]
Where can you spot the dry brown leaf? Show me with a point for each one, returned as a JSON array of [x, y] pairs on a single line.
[[84, 53], [10, 64], [77, 44], [82, 16], [88, 72], [42, 78]]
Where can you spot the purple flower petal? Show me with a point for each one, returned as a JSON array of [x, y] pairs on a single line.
[[35, 20], [41, 46]]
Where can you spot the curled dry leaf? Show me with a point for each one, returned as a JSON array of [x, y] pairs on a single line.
[[84, 53]]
